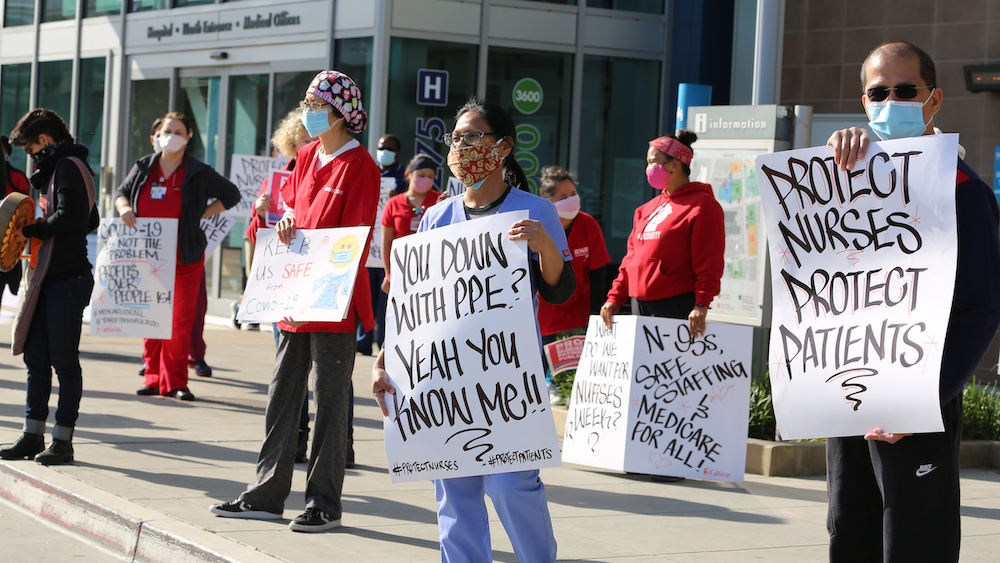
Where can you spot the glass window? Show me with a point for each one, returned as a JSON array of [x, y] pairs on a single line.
[[91, 110], [146, 5], [199, 100], [535, 88], [183, 3], [15, 101], [566, 2], [353, 57], [614, 141], [101, 8], [646, 6], [58, 10], [289, 89], [55, 83], [19, 12], [420, 127], [150, 100], [247, 132]]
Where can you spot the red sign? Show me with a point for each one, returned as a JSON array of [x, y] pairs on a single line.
[[564, 354]]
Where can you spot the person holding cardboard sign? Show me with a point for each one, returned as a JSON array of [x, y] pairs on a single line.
[[895, 497], [481, 156]]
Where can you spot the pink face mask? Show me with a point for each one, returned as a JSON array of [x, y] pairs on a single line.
[[657, 176], [422, 184]]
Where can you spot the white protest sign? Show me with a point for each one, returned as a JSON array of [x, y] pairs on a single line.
[[455, 187], [375, 259], [134, 279], [862, 270], [309, 279], [248, 173], [463, 354], [648, 399], [216, 228]]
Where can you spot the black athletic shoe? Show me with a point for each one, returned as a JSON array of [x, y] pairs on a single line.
[[201, 368], [26, 447], [59, 452], [240, 509], [313, 520]]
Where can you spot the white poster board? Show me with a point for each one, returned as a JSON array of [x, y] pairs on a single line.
[[248, 173], [309, 279], [862, 269], [648, 399], [463, 354], [216, 228], [375, 259], [134, 279]]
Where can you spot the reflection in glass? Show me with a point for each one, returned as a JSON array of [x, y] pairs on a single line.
[[614, 139], [150, 100], [19, 12], [146, 5], [247, 123], [199, 100], [420, 128], [542, 134], [183, 3], [646, 6], [58, 10], [55, 83], [15, 92], [90, 108], [289, 89], [353, 57], [101, 8]]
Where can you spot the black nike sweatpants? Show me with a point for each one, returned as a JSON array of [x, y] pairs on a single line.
[[896, 503]]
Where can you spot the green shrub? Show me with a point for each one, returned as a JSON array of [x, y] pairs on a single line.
[[762, 423], [980, 411], [564, 381]]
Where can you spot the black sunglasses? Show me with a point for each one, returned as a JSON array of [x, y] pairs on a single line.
[[903, 92]]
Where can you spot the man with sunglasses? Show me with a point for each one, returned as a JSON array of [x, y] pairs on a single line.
[[895, 497]]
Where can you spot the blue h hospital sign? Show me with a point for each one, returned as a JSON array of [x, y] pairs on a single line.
[[432, 87]]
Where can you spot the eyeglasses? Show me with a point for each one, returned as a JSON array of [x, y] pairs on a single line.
[[314, 106], [471, 138], [903, 92]]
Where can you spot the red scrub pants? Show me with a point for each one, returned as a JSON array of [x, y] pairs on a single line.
[[167, 360]]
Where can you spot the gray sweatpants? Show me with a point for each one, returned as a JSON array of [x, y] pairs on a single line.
[[330, 355]]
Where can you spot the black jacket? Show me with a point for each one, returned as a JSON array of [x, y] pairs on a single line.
[[71, 221], [201, 183]]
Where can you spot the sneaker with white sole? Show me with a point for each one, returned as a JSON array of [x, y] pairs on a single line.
[[313, 520], [240, 509]]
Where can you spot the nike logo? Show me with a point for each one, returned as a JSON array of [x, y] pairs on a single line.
[[925, 469]]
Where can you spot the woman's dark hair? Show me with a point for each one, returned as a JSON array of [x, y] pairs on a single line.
[[155, 128], [36, 123], [552, 176], [5, 144], [503, 127], [687, 138], [179, 117]]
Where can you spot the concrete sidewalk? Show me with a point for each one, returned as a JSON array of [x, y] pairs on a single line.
[[147, 468]]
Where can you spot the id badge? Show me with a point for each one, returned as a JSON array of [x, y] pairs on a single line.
[[414, 223], [157, 192]]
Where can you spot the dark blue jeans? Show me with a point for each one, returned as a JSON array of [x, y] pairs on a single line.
[[54, 342], [379, 301]]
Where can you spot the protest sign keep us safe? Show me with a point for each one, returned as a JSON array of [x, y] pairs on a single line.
[[134, 279], [862, 270], [309, 279], [648, 399], [463, 354]]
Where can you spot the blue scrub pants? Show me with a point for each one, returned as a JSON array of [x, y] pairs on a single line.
[[519, 498]]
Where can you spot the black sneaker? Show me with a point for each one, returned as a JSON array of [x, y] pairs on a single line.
[[201, 368], [26, 447], [313, 520], [59, 452], [240, 509]]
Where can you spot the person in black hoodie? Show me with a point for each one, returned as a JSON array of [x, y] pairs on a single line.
[[53, 338], [173, 184]]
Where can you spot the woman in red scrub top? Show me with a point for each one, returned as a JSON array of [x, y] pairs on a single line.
[[173, 184], [403, 212]]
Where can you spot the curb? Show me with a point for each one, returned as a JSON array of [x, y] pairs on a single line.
[[125, 529]]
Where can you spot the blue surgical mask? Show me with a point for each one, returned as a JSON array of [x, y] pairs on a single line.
[[385, 157], [478, 184], [316, 122], [892, 119]]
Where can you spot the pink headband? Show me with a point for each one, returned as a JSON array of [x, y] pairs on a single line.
[[673, 147]]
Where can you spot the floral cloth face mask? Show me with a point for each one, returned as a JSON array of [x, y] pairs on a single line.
[[472, 165]]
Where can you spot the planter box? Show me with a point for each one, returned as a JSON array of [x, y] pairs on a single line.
[[791, 459]]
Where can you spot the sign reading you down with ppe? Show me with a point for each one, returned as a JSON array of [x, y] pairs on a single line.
[[463, 355], [309, 279], [649, 399]]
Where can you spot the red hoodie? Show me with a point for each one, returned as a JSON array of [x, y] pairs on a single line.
[[676, 246]]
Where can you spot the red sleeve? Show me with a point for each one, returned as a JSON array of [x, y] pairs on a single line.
[[20, 182], [599, 256], [390, 211], [619, 288], [708, 247]]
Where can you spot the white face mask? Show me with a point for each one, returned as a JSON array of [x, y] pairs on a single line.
[[171, 142], [568, 208], [157, 149]]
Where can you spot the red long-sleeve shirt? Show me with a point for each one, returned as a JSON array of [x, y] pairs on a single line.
[[676, 246]]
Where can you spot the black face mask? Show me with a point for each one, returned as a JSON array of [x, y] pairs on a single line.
[[44, 153]]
